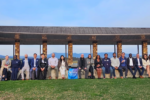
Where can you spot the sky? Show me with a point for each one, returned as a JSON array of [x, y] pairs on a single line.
[[86, 13]]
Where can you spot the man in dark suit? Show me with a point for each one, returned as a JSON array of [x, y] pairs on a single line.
[[139, 65], [34, 67], [131, 65], [42, 67]]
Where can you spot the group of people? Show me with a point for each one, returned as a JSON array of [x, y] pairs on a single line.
[[37, 68]]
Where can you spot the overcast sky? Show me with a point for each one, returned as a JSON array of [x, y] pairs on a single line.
[[92, 13]]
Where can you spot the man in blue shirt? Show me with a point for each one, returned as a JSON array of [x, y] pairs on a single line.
[[123, 63], [106, 66], [34, 67]]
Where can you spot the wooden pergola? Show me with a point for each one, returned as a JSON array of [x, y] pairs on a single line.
[[42, 35]]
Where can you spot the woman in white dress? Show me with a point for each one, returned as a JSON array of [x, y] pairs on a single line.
[[62, 66], [146, 65]]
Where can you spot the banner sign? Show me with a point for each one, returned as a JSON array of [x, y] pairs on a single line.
[[73, 73]]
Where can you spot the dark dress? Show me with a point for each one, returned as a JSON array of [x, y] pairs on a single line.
[[96, 63], [15, 64]]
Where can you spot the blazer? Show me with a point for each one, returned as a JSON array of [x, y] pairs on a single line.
[[3, 66], [32, 63], [85, 63], [145, 63], [136, 62], [22, 64], [43, 65], [128, 62], [66, 64]]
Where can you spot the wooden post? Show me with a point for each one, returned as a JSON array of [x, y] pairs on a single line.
[[70, 53], [94, 50], [119, 48], [45, 48], [17, 49], [144, 47]]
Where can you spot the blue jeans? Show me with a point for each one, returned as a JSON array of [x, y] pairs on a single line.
[[139, 69], [131, 70], [103, 71], [119, 69]]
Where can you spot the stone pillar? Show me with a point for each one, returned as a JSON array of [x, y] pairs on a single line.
[[119, 48], [45, 48], [17, 49], [144, 47], [94, 50], [70, 53]]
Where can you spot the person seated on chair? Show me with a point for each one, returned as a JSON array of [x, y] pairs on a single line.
[[131, 65], [82, 64], [98, 66], [90, 65], [139, 65], [34, 67], [115, 63], [123, 63], [53, 64], [42, 67], [25, 67], [106, 66], [62, 66], [6, 64], [15, 66], [146, 65]]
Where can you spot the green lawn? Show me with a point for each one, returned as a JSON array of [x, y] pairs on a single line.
[[83, 89]]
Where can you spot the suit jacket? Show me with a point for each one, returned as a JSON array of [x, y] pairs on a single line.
[[66, 64], [22, 64], [85, 63], [3, 66], [43, 65], [128, 62], [32, 63], [136, 62]]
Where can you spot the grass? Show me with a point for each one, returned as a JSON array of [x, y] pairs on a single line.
[[83, 89]]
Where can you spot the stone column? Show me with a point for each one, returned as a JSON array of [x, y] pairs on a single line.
[[119, 48], [144, 47], [94, 50], [45, 48], [17, 49], [70, 53]]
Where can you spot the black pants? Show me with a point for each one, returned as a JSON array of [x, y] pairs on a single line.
[[91, 70], [42, 75], [4, 73]]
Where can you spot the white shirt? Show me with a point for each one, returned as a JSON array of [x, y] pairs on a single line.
[[138, 61], [26, 63], [53, 61], [131, 62], [34, 62], [115, 62]]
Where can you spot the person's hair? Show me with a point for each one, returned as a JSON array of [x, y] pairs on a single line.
[[122, 53], [97, 56], [144, 58], [114, 53], [106, 54], [61, 59], [42, 54], [88, 56], [34, 54], [6, 55]]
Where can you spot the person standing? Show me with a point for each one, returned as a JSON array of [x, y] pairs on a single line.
[[53, 64], [6, 64], [62, 66], [82, 64], [42, 67], [98, 66], [115, 63], [146, 65], [139, 65], [106, 66], [34, 67], [15, 65], [131, 65], [25, 66], [123, 63], [90, 66]]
